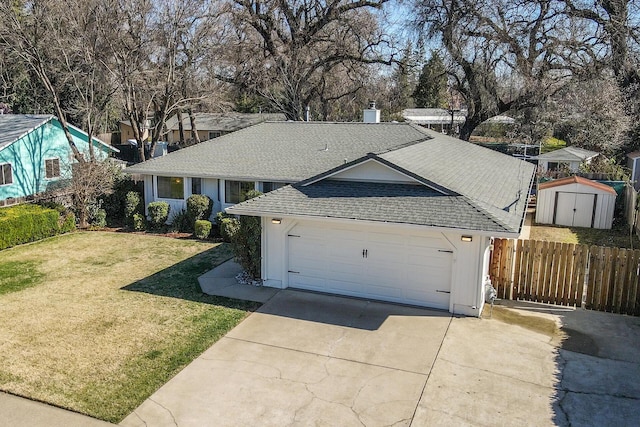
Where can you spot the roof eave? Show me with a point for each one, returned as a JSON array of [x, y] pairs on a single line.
[[234, 210]]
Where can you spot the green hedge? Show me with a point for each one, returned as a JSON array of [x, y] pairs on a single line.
[[28, 223], [202, 228]]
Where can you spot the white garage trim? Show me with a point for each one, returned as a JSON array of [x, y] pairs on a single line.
[[371, 263], [467, 266]]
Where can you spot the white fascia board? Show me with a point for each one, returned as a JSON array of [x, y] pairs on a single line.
[[506, 235]]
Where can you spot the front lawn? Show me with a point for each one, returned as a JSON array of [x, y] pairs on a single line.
[[618, 236], [96, 322]]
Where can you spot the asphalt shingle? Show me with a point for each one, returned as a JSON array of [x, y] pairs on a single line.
[[14, 126], [368, 201], [281, 151], [476, 188]]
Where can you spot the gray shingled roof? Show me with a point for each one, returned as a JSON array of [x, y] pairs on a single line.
[[568, 154], [487, 190], [281, 151], [225, 122], [494, 182], [483, 189], [391, 203], [15, 126]]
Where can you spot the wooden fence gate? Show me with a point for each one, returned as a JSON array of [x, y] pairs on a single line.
[[606, 279]]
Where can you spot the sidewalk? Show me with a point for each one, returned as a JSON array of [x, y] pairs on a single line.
[[221, 281], [20, 412]]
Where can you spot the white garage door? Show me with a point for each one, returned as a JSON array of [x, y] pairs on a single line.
[[377, 265], [574, 209]]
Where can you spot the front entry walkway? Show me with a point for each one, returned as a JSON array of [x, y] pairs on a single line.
[[222, 282]]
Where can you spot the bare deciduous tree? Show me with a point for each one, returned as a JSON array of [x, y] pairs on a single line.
[[287, 50], [505, 55]]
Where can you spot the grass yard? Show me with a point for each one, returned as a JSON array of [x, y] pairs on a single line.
[[618, 236], [96, 321]]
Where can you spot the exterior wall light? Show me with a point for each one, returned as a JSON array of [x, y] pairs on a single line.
[[276, 220], [466, 238]]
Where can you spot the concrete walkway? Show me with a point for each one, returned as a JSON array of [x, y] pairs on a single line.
[[221, 281], [19, 412]]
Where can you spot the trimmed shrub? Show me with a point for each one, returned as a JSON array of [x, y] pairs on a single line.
[[245, 235], [114, 203], [202, 228], [245, 242], [138, 222], [222, 221], [199, 206], [67, 222], [158, 214], [181, 222], [133, 205], [27, 223]]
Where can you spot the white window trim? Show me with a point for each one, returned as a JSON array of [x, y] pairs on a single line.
[[12, 177], [184, 188], [223, 191]]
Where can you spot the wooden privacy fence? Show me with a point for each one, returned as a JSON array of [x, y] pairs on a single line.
[[607, 279]]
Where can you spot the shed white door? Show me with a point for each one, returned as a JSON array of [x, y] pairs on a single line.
[[574, 209], [370, 264]]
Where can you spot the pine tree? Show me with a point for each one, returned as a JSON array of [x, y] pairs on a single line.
[[431, 90]]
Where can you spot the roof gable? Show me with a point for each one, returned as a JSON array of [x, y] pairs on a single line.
[[576, 180], [568, 154], [370, 170], [373, 168], [15, 126]]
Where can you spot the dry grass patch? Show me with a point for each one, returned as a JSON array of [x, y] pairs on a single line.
[[111, 318], [618, 236]]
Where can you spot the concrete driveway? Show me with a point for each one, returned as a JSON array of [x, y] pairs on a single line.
[[309, 359]]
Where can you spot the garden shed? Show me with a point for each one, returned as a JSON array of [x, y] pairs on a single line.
[[575, 202]]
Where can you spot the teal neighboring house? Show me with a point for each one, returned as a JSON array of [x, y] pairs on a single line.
[[35, 155]]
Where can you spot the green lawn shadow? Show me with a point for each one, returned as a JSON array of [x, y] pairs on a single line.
[[181, 280]]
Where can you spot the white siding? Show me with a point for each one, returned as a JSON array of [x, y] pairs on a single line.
[[209, 188], [468, 258], [373, 171]]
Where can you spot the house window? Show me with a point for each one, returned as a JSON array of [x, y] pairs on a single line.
[[270, 186], [6, 175], [236, 191], [214, 134], [52, 168], [196, 186], [558, 166], [170, 187]]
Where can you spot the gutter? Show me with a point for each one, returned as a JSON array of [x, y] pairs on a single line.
[[500, 234]]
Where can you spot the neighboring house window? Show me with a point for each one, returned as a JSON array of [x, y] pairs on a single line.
[[270, 186], [52, 168], [196, 186], [557, 166], [214, 134], [170, 187], [6, 175], [235, 191]]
